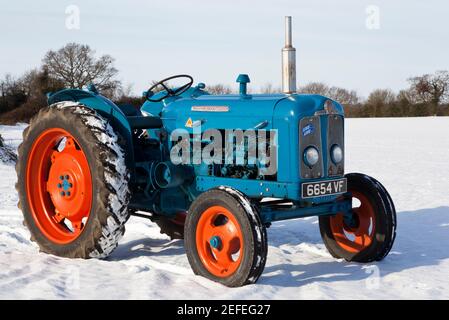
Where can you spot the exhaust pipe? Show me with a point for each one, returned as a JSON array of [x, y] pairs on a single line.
[[288, 60]]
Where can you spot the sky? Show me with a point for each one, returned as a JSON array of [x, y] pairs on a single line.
[[355, 44]]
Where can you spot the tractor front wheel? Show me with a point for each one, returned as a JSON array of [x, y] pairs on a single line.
[[72, 182], [369, 234], [225, 239]]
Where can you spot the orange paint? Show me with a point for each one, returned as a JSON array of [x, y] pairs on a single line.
[[218, 221], [357, 238], [59, 186]]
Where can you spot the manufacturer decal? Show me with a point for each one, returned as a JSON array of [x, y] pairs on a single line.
[[308, 129], [210, 108]]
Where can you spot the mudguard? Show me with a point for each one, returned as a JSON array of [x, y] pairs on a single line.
[[107, 109]]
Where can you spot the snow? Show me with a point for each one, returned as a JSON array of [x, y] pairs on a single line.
[[409, 156]]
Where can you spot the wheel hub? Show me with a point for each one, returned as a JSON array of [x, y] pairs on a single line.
[[67, 183], [354, 232], [215, 242]]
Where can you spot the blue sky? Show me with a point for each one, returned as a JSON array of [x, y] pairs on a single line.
[[214, 41]]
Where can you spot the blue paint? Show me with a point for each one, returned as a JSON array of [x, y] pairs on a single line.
[[215, 242], [243, 80], [278, 112], [329, 208], [66, 185]]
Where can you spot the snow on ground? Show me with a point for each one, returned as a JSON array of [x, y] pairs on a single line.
[[409, 156]]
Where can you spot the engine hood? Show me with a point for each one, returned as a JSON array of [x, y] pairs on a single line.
[[259, 111]]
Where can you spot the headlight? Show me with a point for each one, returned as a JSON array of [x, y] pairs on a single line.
[[336, 154], [311, 156]]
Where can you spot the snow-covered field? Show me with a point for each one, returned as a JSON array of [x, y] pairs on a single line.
[[409, 156]]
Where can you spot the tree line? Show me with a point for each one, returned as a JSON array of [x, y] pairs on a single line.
[[76, 65]]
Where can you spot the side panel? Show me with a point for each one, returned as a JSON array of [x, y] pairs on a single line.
[[251, 188]]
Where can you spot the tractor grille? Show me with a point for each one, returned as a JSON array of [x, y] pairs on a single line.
[[310, 134], [335, 135]]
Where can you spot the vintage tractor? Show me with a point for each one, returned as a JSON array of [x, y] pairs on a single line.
[[215, 170]]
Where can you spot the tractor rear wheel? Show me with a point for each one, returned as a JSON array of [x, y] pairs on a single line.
[[370, 234], [72, 182], [225, 239]]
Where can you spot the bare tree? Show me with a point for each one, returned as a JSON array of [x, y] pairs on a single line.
[[12, 93], [315, 88], [431, 88], [269, 89], [10, 85], [379, 99], [343, 96], [219, 89], [407, 96], [76, 66], [37, 83]]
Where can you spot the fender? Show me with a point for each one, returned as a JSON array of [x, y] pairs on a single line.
[[107, 109]]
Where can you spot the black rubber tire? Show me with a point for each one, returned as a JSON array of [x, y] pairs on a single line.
[[385, 222], [254, 232], [110, 178]]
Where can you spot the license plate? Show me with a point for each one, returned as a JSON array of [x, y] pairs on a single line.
[[323, 188]]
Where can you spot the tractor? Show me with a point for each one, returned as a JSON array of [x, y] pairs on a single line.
[[213, 170]]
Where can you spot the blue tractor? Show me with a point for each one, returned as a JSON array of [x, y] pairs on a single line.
[[214, 170]]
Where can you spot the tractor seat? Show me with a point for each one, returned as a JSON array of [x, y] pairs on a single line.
[[137, 121], [129, 110]]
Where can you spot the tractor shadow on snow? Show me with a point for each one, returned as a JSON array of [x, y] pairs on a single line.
[[147, 247], [421, 240]]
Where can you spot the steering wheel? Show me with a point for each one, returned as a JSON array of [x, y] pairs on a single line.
[[170, 92]]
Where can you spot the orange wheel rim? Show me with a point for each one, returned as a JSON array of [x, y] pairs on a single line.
[[59, 186], [219, 241], [359, 236]]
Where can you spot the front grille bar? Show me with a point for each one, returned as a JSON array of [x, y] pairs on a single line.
[[335, 135], [310, 135]]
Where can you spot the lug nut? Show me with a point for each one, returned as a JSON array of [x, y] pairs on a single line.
[[59, 185], [61, 177], [62, 193], [70, 185], [68, 193], [67, 177]]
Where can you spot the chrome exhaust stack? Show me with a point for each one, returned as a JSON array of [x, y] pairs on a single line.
[[288, 60]]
